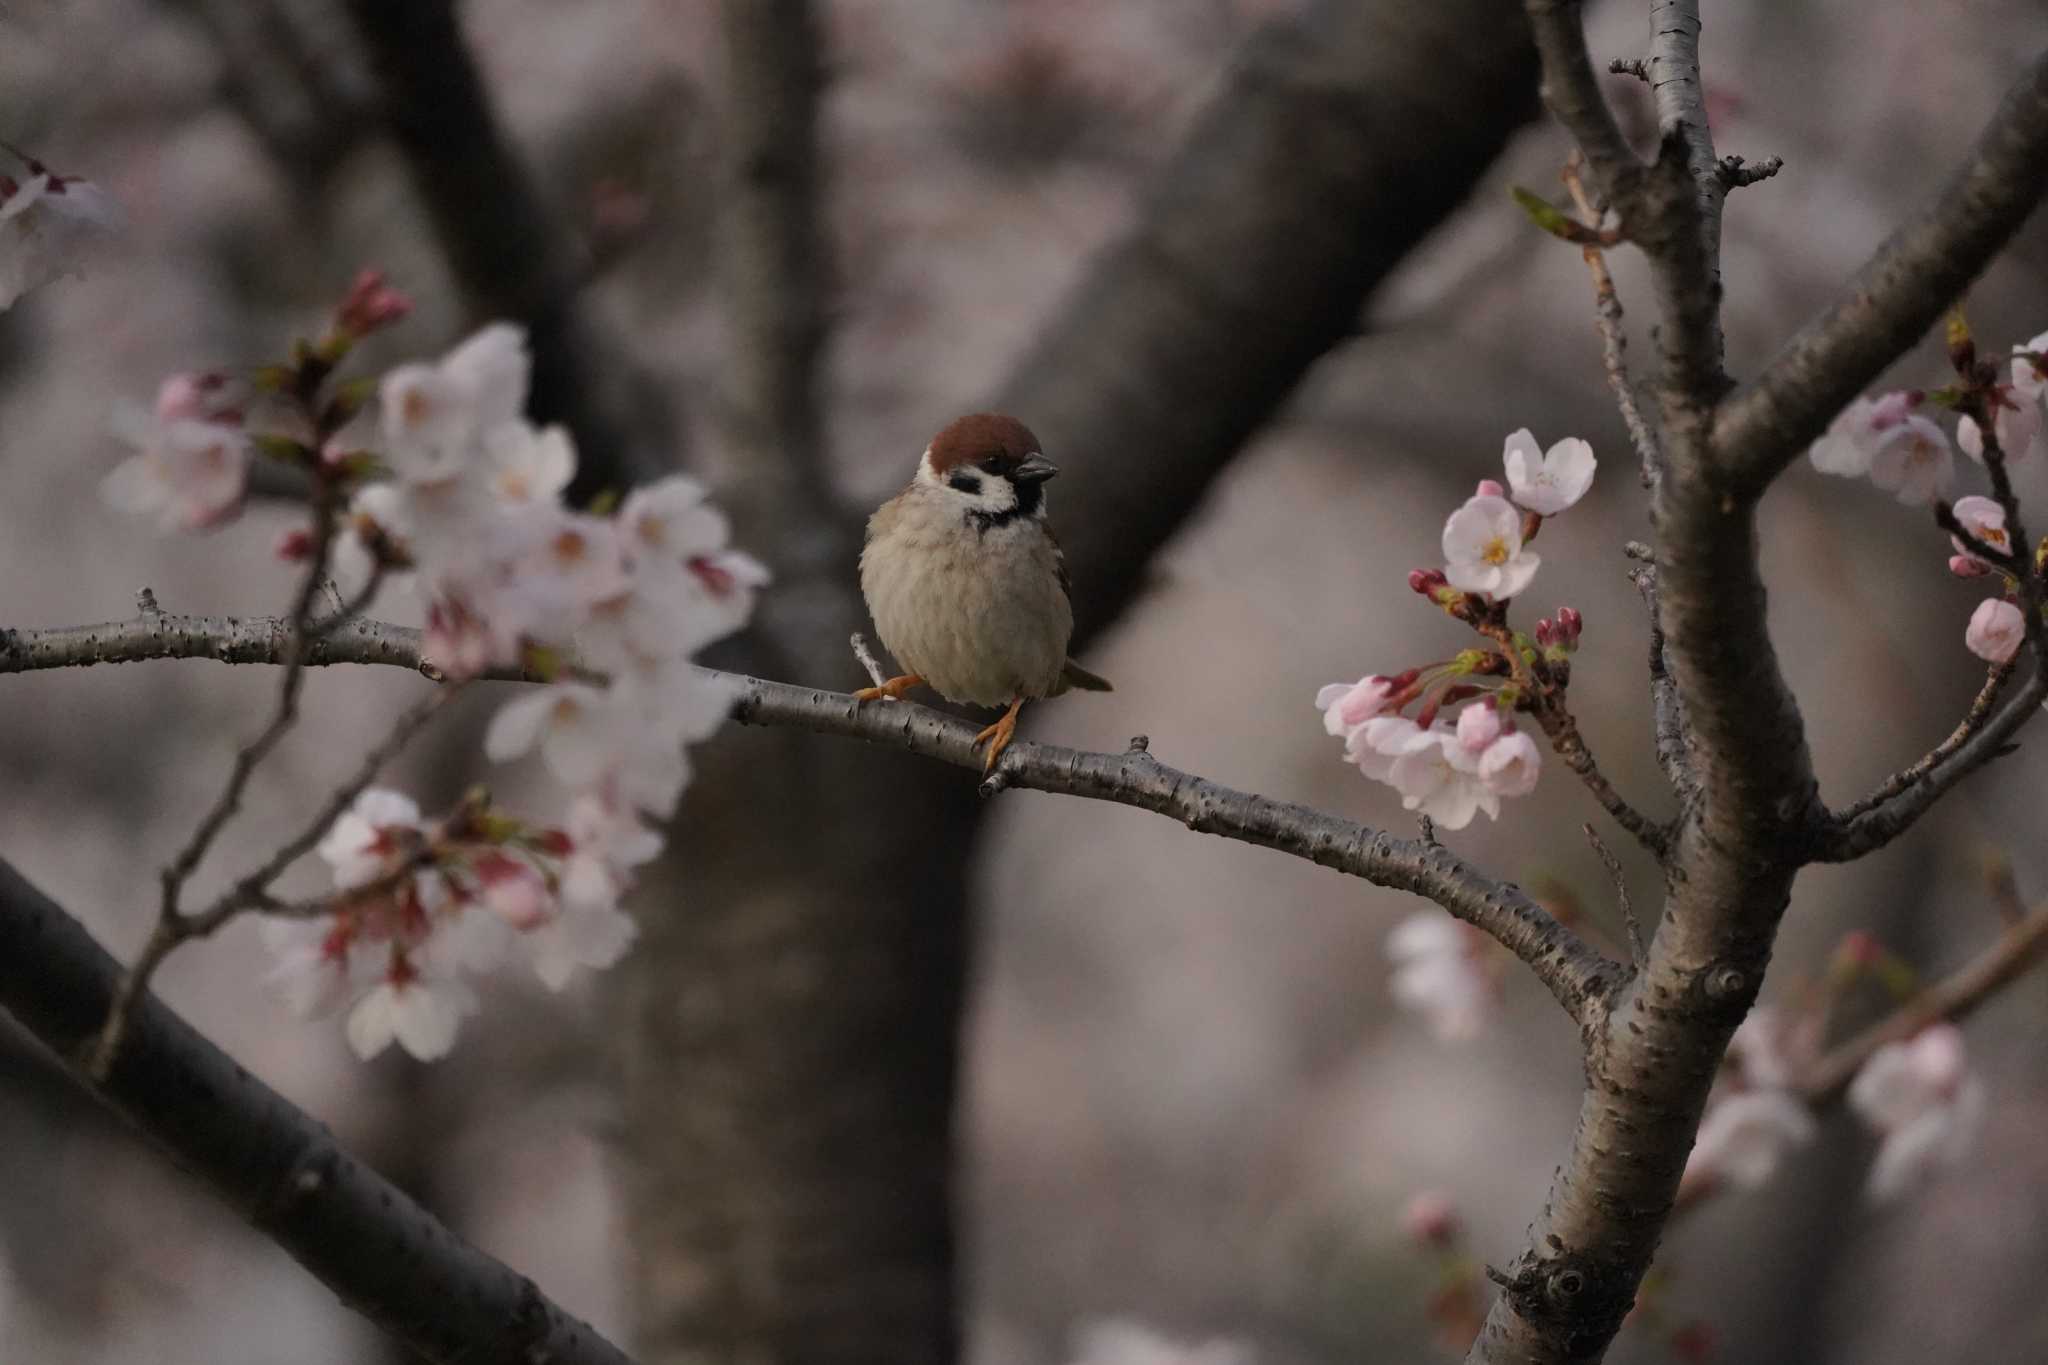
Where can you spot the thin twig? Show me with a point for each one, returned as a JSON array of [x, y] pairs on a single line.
[[1667, 708], [1613, 335], [866, 654], [1630, 66], [1736, 173], [1636, 953], [171, 926], [1973, 720]]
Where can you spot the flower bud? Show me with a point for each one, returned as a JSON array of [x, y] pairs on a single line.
[[371, 304], [1570, 624], [1967, 566], [295, 546], [1491, 488], [1426, 581], [1431, 1220]]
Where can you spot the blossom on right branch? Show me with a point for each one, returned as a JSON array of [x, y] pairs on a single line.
[[1924, 1101]]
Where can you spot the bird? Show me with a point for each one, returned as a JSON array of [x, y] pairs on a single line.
[[965, 582]]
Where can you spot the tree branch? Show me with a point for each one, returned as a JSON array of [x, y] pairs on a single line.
[[386, 1257], [2019, 948], [1895, 297], [1578, 976]]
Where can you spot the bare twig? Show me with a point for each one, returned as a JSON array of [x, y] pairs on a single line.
[[1897, 295], [873, 666], [1614, 337], [172, 927], [1630, 66], [1636, 954], [1973, 720], [275, 1166]]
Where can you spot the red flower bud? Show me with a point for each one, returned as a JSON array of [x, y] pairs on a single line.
[[1426, 581], [371, 304]]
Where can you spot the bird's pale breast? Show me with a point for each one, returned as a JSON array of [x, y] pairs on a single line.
[[980, 614]]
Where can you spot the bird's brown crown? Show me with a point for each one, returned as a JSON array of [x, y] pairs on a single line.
[[986, 439]]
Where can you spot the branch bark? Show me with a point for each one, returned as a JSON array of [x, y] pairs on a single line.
[[1895, 297], [386, 1257], [1580, 977]]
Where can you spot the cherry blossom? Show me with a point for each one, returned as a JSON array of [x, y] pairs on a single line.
[[1479, 725], [420, 1013], [1758, 1052], [1375, 745], [49, 226], [529, 467], [1439, 974], [1511, 765], [436, 418], [1348, 706], [1922, 1097], [1482, 544], [316, 968], [578, 731], [1744, 1136], [1912, 461], [1852, 438], [370, 836], [1437, 777], [189, 475], [594, 936], [1430, 1218], [1547, 482], [2017, 423], [1995, 631], [2029, 378], [1983, 518]]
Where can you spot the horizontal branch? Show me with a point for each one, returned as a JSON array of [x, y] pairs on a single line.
[[1896, 297], [361, 1236], [1580, 977]]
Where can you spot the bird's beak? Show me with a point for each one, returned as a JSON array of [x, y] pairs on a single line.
[[1034, 468]]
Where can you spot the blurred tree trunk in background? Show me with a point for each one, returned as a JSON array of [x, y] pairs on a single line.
[[791, 1019]]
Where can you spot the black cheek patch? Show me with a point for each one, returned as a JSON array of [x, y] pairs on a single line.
[[967, 483]]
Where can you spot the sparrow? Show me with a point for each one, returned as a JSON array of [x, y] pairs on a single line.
[[967, 585]]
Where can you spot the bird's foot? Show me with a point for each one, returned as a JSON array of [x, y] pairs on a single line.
[[891, 690], [998, 736]]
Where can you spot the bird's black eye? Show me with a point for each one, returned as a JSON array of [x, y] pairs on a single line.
[[967, 483]]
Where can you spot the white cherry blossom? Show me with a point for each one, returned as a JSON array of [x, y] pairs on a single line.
[[420, 1013], [1912, 461], [1548, 482], [1439, 974], [1923, 1098], [1746, 1135], [1482, 544]]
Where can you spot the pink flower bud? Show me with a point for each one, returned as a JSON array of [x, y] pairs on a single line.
[[1431, 1219], [1546, 632], [1491, 488], [295, 546], [1570, 624], [371, 304], [1861, 947], [198, 396], [1967, 566], [1426, 581]]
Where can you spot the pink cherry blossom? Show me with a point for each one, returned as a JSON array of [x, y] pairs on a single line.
[[436, 417], [513, 889], [1439, 974], [1511, 765], [1758, 1050], [1482, 544], [316, 969], [528, 466], [1923, 1098], [2029, 379], [578, 731], [1430, 1218], [1479, 725], [50, 225], [593, 936], [2016, 420], [1995, 631], [1744, 1136], [1548, 482], [370, 836], [189, 474], [1912, 461], [1437, 778], [1983, 518], [371, 304], [1347, 706], [1375, 745], [1852, 438]]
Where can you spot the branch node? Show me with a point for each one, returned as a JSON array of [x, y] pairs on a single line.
[[145, 603], [1735, 173]]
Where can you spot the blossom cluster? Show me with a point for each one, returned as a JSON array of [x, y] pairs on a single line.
[[49, 223], [1894, 441], [1446, 766], [460, 498], [1919, 1095]]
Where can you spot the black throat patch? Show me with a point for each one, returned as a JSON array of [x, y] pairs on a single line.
[[1030, 497]]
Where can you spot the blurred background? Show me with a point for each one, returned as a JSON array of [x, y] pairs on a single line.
[[893, 1074]]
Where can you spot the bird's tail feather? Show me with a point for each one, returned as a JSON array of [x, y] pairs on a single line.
[[1073, 675]]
